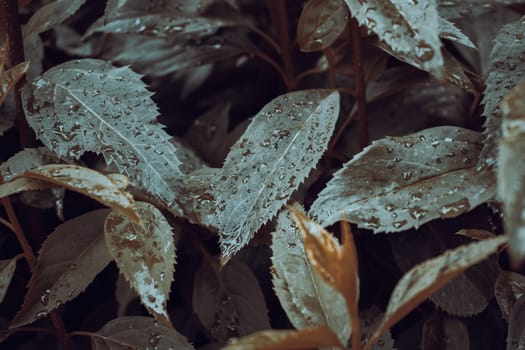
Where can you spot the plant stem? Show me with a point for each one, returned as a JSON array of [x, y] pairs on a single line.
[[329, 54], [9, 9], [61, 334], [271, 62], [277, 10], [360, 84]]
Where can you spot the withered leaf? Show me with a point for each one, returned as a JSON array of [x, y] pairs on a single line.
[[307, 338], [403, 182], [229, 302], [9, 78], [335, 263], [320, 24], [510, 286], [7, 269], [137, 333], [307, 300], [511, 173], [504, 72], [50, 15], [428, 277], [145, 254], [70, 258], [281, 145], [89, 105], [416, 37]]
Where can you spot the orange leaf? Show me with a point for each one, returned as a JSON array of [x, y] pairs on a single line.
[[425, 279], [335, 263], [307, 338]]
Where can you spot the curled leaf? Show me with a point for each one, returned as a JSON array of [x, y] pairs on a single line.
[[145, 254], [282, 144], [305, 297], [426, 278], [70, 258]]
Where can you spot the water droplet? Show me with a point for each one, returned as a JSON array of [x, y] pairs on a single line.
[[399, 224], [154, 338], [40, 314], [44, 298], [454, 209], [73, 267]]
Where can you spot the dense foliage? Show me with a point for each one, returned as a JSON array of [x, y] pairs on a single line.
[[243, 174]]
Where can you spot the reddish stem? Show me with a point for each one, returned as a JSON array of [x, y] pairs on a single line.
[[360, 84], [329, 54]]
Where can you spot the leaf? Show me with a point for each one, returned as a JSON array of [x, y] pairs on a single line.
[[136, 333], [403, 182], [145, 254], [511, 173], [88, 182], [320, 24], [20, 185], [370, 320], [510, 286], [282, 144], [229, 302], [335, 263], [307, 300], [113, 115], [124, 294], [444, 333], [70, 258], [452, 9], [26, 159], [9, 78], [308, 338], [516, 333], [416, 34], [472, 290], [426, 278], [7, 269], [50, 15], [505, 61], [448, 30]]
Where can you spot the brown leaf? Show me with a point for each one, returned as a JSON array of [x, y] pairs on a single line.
[[70, 258], [320, 24], [9, 78], [7, 269], [510, 286], [145, 254], [335, 263], [229, 302], [137, 333], [426, 278], [308, 338], [88, 182], [516, 333]]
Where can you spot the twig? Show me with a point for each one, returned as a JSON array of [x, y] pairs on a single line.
[[277, 10], [266, 38], [329, 54], [360, 84]]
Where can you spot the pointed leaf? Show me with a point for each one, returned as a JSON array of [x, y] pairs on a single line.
[[402, 182], [145, 254], [9, 78], [320, 24], [448, 30], [50, 15], [510, 286], [336, 264], [516, 333], [307, 300], [506, 61], [137, 333], [70, 258], [308, 338], [229, 302], [283, 143], [7, 269], [416, 33], [428, 277], [88, 182], [89, 105], [511, 172]]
